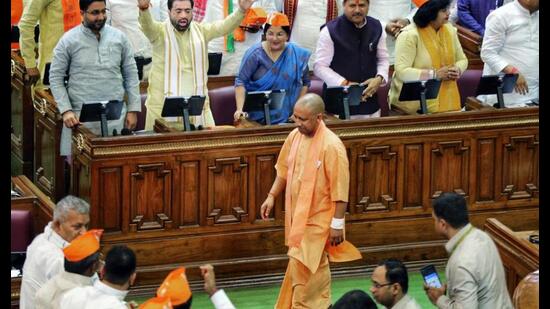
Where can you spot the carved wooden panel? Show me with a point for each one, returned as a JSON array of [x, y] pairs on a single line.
[[520, 168], [449, 168], [376, 179], [413, 175], [110, 192], [266, 173], [485, 170], [227, 191], [44, 155], [189, 193], [151, 194]]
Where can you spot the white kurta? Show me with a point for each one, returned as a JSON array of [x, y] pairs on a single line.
[[97, 296], [123, 15], [44, 261], [512, 38], [406, 302], [475, 275], [310, 16], [232, 61], [221, 301], [50, 294], [386, 10]]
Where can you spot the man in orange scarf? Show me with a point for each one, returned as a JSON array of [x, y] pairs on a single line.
[[313, 170]]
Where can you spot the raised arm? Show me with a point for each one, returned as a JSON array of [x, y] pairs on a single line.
[[150, 28]]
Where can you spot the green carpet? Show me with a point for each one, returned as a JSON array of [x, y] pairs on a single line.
[[265, 297]]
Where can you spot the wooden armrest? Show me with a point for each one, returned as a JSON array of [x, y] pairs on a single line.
[[469, 40]]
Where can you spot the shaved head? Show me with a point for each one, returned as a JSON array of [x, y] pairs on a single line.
[[313, 103]]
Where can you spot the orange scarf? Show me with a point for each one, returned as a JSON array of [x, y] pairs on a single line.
[[295, 224], [71, 14], [16, 12], [442, 53]]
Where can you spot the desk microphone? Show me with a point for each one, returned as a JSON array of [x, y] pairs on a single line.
[[125, 131], [115, 132]]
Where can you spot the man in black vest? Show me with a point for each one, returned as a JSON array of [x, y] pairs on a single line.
[[352, 50]]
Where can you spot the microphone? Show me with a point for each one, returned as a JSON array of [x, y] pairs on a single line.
[[125, 131], [200, 127], [115, 132]]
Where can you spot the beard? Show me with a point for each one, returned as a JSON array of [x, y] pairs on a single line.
[[95, 26], [181, 24]]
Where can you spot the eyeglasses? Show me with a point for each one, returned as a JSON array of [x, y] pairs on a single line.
[[97, 12], [378, 285]]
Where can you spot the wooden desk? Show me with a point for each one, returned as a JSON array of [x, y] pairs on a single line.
[[21, 118], [190, 198], [519, 256]]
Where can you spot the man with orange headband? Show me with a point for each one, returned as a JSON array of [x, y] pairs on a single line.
[[44, 255], [81, 263], [117, 276], [55, 18], [313, 169]]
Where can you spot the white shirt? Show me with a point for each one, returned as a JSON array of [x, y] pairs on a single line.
[[454, 11], [44, 261], [310, 16], [325, 53], [49, 295], [406, 302], [386, 10], [232, 61], [512, 38], [475, 275], [221, 301], [123, 15], [97, 296], [159, 10]]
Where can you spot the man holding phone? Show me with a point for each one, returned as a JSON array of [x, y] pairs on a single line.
[[474, 270], [390, 283]]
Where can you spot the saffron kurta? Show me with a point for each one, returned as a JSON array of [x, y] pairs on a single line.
[[331, 185], [155, 32]]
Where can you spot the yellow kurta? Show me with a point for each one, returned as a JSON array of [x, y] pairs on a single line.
[[308, 267], [49, 13], [155, 32], [411, 57]]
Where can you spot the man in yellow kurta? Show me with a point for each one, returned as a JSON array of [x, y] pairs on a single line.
[[180, 58], [55, 17], [313, 170]]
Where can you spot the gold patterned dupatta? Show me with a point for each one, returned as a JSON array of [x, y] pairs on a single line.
[[442, 53]]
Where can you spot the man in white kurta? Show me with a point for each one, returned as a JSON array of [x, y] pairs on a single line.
[[44, 255], [511, 45], [183, 43], [232, 60], [306, 24]]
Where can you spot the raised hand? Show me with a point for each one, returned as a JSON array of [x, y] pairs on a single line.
[[144, 4]]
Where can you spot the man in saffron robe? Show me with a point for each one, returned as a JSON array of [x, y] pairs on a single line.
[[313, 170], [180, 58]]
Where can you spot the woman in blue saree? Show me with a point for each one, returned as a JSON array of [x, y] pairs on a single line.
[[271, 65]]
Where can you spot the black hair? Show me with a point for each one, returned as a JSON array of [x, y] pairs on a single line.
[[396, 272], [171, 2], [452, 208], [428, 12], [185, 305], [120, 264], [84, 4], [355, 299], [286, 29], [83, 266]]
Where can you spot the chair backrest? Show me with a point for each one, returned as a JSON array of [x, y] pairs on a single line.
[[222, 104], [21, 230], [141, 115], [467, 84]]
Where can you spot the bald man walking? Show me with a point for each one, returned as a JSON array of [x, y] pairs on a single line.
[[313, 169]]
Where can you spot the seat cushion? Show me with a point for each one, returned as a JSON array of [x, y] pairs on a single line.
[[21, 230]]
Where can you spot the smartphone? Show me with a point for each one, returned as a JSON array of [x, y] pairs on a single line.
[[430, 276]]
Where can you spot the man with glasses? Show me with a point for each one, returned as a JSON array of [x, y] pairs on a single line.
[[99, 63], [390, 283], [45, 253]]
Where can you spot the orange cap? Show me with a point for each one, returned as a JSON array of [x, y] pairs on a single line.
[[156, 303], [254, 17], [419, 3], [176, 287], [83, 246], [278, 19]]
